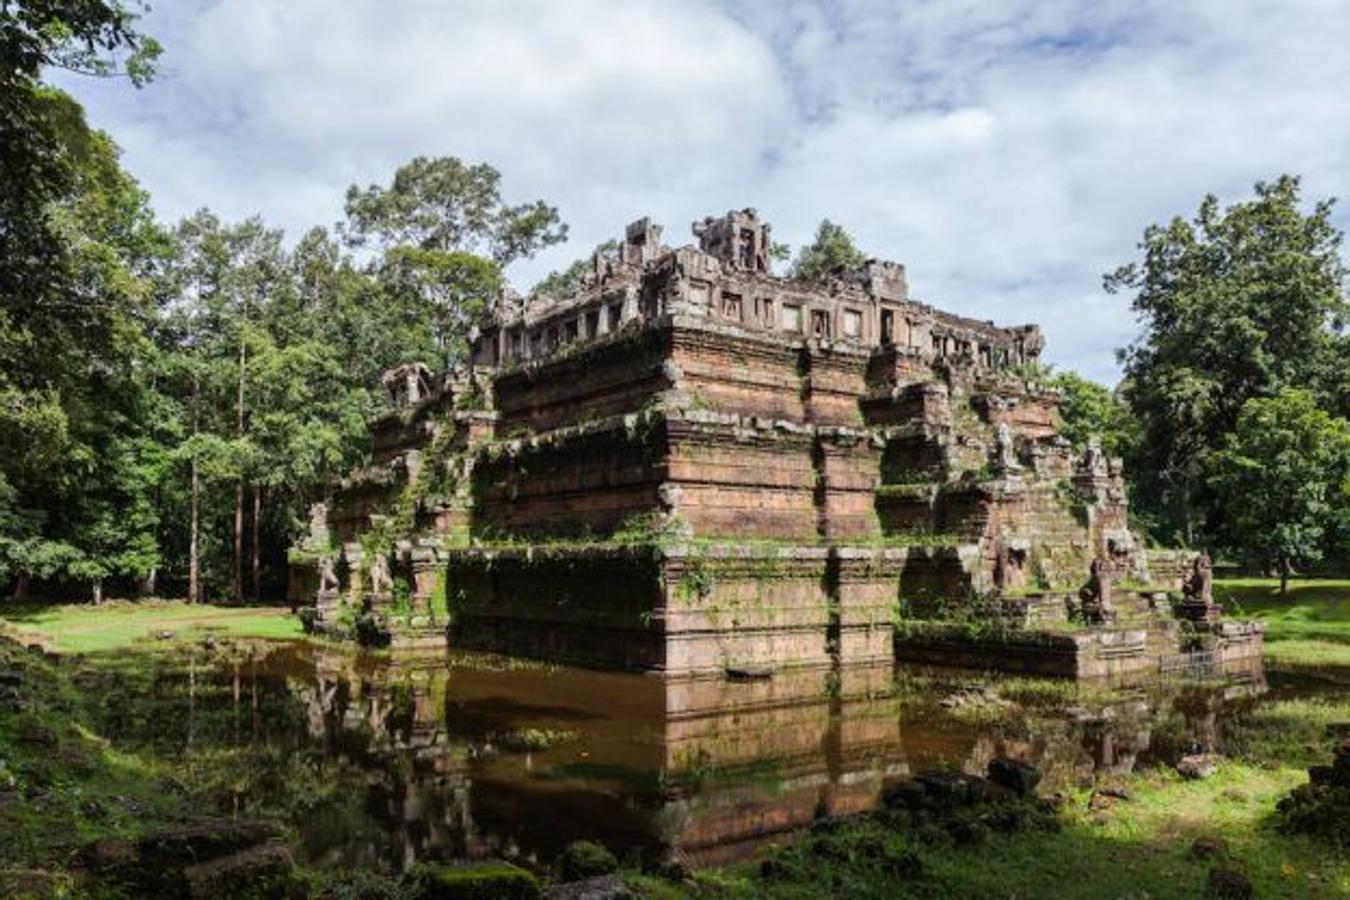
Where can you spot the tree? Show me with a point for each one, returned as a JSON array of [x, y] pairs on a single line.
[[1284, 478], [444, 236], [81, 464], [225, 278], [81, 35], [567, 282], [301, 337], [832, 251], [1239, 303], [1088, 409]]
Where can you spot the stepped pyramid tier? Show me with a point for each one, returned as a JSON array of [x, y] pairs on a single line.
[[693, 466]]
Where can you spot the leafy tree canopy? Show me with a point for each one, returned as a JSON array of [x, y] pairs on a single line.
[[80, 35], [832, 250], [568, 281], [446, 206], [1283, 477], [1239, 302], [445, 234], [1089, 409]]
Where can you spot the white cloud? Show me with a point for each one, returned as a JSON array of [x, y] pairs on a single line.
[[1008, 152]]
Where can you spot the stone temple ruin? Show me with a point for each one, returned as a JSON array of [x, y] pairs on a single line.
[[693, 466]]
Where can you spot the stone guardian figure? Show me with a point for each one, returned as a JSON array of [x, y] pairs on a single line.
[[328, 580], [1096, 594], [1198, 591], [1005, 458], [381, 584]]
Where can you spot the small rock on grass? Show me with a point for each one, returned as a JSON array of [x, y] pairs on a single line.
[[1198, 766], [1228, 884], [1100, 800], [1209, 847], [603, 887]]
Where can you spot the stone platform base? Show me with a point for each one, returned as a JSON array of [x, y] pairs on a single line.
[[746, 610], [1090, 652]]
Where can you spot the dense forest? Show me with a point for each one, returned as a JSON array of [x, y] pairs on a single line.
[[174, 396]]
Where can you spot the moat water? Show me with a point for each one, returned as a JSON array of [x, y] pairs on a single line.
[[381, 763]]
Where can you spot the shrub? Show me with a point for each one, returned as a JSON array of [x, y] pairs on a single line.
[[585, 859]]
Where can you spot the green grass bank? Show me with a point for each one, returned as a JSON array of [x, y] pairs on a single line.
[[118, 624], [1307, 630]]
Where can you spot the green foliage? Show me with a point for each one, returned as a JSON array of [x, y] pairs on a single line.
[[1283, 478], [402, 592], [697, 580], [832, 251], [1238, 303], [79, 458], [77, 35], [444, 234], [585, 859], [40, 161], [439, 601], [568, 281], [151, 378], [1089, 409], [475, 881]]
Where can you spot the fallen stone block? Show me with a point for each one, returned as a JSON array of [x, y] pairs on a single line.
[[603, 887], [263, 871], [201, 842]]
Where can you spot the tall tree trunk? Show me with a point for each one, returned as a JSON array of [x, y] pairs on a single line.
[[98, 591], [22, 581], [257, 529], [239, 488], [194, 527], [239, 542], [1284, 577], [146, 588]]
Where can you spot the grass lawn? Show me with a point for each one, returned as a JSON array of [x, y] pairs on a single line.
[[1307, 629], [82, 628]]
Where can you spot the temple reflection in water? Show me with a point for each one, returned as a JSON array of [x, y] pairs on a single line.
[[493, 756]]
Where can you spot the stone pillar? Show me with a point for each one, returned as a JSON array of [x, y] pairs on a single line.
[[424, 572], [354, 556]]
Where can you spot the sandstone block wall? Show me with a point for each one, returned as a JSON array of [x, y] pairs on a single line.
[[619, 374]]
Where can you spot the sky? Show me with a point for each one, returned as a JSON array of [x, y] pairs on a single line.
[[1009, 152]]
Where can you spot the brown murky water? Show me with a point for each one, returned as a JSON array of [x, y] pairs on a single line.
[[384, 763]]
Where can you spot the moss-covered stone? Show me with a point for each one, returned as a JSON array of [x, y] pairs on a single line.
[[585, 859], [478, 881]]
